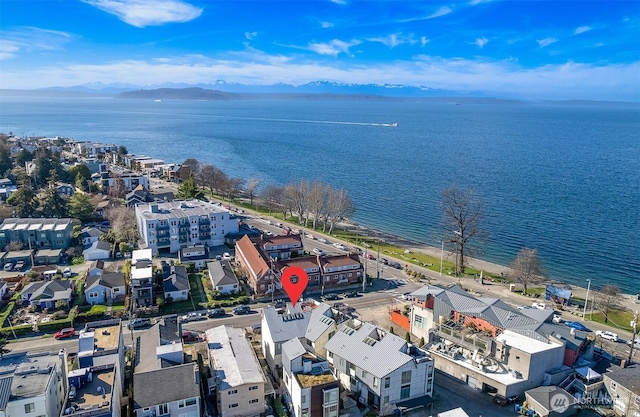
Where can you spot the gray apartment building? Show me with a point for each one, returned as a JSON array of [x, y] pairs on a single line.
[[173, 225], [37, 233]]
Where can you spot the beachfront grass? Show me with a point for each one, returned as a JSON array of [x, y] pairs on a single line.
[[618, 319]]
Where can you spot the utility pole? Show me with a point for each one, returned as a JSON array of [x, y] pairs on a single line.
[[634, 326], [586, 300]]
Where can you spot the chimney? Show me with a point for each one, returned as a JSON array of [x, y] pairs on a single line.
[[196, 374]]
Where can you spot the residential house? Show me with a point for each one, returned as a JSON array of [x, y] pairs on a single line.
[[6, 189], [130, 179], [280, 247], [311, 388], [94, 150], [47, 256], [97, 385], [88, 235], [142, 278], [278, 329], [163, 384], [489, 345], [95, 268], [385, 370], [260, 277], [236, 375], [97, 250], [222, 277], [65, 190], [176, 283], [33, 384], [140, 195], [198, 255], [37, 232], [623, 386], [100, 289], [173, 225], [45, 294]]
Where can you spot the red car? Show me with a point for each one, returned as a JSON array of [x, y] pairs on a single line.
[[65, 333], [189, 336]]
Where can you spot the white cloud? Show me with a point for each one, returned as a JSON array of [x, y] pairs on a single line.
[[393, 40], [423, 40], [250, 35], [504, 78], [333, 47], [326, 25], [444, 10], [141, 13], [481, 42], [338, 1], [31, 39], [546, 42], [582, 29]]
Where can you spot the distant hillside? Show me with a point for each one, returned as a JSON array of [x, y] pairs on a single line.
[[192, 93]]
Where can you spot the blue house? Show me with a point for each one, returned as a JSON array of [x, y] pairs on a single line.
[[45, 294]]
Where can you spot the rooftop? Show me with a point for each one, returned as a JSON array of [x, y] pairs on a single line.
[[96, 393], [177, 209], [310, 380]]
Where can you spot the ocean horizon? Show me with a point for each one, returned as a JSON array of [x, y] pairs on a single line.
[[562, 179]]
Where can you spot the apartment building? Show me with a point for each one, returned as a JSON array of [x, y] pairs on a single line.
[[37, 233], [142, 278], [170, 226]]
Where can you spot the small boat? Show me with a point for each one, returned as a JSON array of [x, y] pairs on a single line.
[[394, 124], [158, 100]]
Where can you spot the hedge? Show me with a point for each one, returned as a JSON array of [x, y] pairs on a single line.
[[18, 330], [55, 324]]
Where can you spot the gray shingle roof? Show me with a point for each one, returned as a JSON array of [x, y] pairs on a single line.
[[166, 331], [628, 378], [221, 273], [368, 349], [111, 280], [49, 290], [543, 396], [165, 385], [177, 280]]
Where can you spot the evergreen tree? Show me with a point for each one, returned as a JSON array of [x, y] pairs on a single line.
[[22, 157], [188, 189], [53, 205], [23, 199], [81, 207], [5, 160]]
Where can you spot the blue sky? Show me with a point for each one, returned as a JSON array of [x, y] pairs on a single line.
[[527, 49]]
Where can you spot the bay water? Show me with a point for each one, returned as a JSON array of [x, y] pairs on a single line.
[[563, 179]]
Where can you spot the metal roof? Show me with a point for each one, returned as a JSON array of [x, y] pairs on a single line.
[[283, 327], [321, 319]]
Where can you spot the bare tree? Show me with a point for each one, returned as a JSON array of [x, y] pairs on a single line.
[[272, 197], [339, 207], [14, 245], [527, 268], [123, 224], [119, 188], [298, 195], [233, 187], [609, 299], [318, 200], [189, 167], [251, 187], [462, 215], [213, 178]]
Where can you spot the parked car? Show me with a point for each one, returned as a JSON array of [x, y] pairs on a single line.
[[281, 302], [371, 257], [331, 297], [318, 251], [65, 333], [351, 294], [189, 336], [322, 240], [636, 343], [607, 335], [557, 318], [19, 266], [500, 400], [216, 312], [8, 266], [139, 322], [340, 246], [539, 306], [243, 309], [395, 265], [384, 261], [407, 296], [67, 272], [226, 256], [193, 316], [576, 325]]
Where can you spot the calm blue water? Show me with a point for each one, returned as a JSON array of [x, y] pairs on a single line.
[[562, 179]]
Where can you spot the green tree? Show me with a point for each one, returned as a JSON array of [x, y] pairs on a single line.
[[188, 189], [81, 207], [421, 343], [53, 205], [24, 201], [23, 157], [5, 160], [79, 170], [407, 337], [391, 330]]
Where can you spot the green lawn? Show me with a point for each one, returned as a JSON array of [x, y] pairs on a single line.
[[617, 318]]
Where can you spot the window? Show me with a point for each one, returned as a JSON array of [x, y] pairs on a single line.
[[387, 382], [405, 391], [29, 408], [330, 396], [233, 405], [253, 388], [385, 400], [406, 377], [163, 409], [330, 354], [375, 382], [232, 392], [253, 401], [187, 403], [364, 373], [303, 398], [613, 386]]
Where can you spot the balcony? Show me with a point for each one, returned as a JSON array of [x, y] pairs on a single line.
[[464, 337]]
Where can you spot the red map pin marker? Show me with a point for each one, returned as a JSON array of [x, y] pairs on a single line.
[[294, 281]]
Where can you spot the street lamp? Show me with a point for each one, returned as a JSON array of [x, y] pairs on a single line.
[[459, 234], [378, 260], [586, 300]]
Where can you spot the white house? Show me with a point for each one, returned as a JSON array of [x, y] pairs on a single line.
[[176, 283], [383, 368], [222, 277], [90, 235], [98, 250], [236, 374], [95, 268], [142, 278], [197, 254], [102, 288]]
